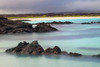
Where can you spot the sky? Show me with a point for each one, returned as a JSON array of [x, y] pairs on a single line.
[[47, 6]]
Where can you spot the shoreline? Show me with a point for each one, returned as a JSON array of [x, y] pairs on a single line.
[[54, 18]]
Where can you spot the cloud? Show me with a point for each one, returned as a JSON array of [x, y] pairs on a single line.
[[45, 6]]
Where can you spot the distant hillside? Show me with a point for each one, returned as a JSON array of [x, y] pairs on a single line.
[[78, 11]]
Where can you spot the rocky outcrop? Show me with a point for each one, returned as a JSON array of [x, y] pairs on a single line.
[[9, 26], [42, 27], [35, 49], [26, 48], [91, 23], [54, 22], [74, 54]]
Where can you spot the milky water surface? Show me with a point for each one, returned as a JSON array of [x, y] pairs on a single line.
[[84, 39]]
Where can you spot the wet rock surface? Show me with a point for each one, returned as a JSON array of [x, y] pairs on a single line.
[[9, 26], [35, 48]]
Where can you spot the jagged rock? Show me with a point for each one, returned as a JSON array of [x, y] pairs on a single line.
[[26, 48], [42, 27], [56, 50], [35, 49], [9, 26]]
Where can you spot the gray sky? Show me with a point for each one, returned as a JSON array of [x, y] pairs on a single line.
[[45, 6]]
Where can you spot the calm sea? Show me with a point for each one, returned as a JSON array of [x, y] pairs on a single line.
[[84, 39], [71, 20]]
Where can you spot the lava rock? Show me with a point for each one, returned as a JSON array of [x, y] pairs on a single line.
[[56, 50], [52, 51], [26, 48], [59, 22], [42, 27], [10, 26], [74, 54], [48, 51], [35, 49]]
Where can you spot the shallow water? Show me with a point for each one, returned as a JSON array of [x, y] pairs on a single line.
[[71, 20], [84, 39]]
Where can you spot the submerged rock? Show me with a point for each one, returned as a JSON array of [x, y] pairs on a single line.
[[35, 49]]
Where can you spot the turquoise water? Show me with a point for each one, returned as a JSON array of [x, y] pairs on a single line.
[[71, 20], [84, 39]]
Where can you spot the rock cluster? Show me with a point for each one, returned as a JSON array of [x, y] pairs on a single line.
[[59, 22], [35, 48], [91, 23], [9, 26]]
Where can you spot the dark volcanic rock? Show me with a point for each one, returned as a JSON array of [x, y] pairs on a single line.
[[91, 23], [42, 27], [59, 22], [35, 49], [48, 51], [56, 50], [26, 48], [87, 23], [9, 26], [74, 54]]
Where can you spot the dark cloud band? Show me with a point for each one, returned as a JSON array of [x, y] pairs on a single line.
[[46, 6]]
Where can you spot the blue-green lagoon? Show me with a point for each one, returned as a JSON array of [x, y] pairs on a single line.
[[71, 20], [79, 38]]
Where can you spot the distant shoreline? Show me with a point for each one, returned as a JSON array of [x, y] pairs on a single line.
[[54, 18]]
